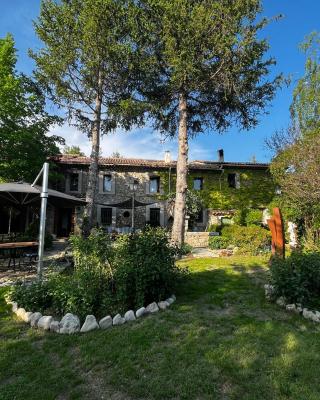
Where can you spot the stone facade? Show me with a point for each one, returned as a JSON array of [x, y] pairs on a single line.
[[197, 239], [154, 180]]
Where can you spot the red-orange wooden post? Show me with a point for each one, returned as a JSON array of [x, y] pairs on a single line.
[[277, 231]]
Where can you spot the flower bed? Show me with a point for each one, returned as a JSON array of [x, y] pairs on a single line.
[[70, 323]]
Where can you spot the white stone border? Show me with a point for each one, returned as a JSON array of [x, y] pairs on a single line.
[[296, 308], [70, 323]]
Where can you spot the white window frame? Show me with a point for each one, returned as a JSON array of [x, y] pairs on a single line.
[[113, 182]]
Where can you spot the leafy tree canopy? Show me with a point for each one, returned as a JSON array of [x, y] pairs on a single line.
[[296, 162], [24, 123], [305, 108], [73, 150]]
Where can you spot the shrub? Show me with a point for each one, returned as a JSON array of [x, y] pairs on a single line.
[[214, 228], [239, 217], [184, 249], [145, 268], [250, 239], [218, 242], [134, 271], [35, 297], [254, 217], [297, 278]]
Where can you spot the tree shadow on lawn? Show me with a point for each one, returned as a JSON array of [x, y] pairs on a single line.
[[220, 340]]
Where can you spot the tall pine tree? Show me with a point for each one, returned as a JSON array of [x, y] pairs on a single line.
[[202, 67], [84, 65]]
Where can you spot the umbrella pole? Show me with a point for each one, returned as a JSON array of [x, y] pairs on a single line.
[[10, 216], [43, 216]]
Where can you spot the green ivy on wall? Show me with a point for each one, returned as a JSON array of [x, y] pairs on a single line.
[[257, 188]]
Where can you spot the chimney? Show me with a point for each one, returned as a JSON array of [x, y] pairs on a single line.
[[167, 157], [221, 155]]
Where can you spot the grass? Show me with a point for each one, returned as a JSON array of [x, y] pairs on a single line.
[[220, 340]]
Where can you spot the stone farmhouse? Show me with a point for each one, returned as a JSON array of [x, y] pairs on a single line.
[[223, 186]]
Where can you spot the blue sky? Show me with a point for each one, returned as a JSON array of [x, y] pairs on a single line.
[[299, 19]]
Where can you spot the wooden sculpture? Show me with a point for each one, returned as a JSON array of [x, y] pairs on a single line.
[[277, 231]]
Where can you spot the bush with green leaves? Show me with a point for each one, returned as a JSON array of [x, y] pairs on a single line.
[[297, 278], [184, 249], [218, 242], [108, 277], [254, 217], [145, 268], [249, 239], [214, 228]]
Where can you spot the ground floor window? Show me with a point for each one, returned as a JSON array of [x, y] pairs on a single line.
[[106, 216]]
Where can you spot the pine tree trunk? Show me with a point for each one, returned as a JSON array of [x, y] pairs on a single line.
[[93, 174], [178, 227]]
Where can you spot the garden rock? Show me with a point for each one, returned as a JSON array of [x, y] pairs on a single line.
[[27, 316], [152, 308], [34, 319], [140, 312], [269, 291], [118, 320], [129, 316], [90, 324], [170, 301], [281, 301], [20, 313], [69, 324], [105, 322], [55, 326], [163, 305], [291, 307], [310, 315], [44, 322], [14, 306], [173, 297]]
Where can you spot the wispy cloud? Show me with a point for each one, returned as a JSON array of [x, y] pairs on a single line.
[[138, 143]]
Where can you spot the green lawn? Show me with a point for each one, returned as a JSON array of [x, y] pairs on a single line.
[[220, 340]]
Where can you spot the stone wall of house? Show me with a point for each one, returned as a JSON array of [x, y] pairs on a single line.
[[197, 239], [120, 192]]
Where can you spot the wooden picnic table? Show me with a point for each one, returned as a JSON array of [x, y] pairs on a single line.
[[14, 251], [15, 245]]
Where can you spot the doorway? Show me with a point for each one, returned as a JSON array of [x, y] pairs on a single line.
[[65, 222], [155, 216]]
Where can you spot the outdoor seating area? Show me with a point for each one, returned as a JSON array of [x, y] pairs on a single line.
[[18, 255]]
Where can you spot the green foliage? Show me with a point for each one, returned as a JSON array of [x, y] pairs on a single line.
[[73, 150], [85, 60], [249, 239], [107, 278], [240, 216], [184, 249], [257, 189], [35, 297], [218, 242], [24, 122], [254, 217], [145, 267], [305, 108], [297, 277], [194, 203], [217, 63], [214, 228]]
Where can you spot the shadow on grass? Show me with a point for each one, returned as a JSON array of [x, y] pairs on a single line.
[[220, 340]]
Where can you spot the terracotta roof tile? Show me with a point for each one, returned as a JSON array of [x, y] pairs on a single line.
[[110, 161]]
